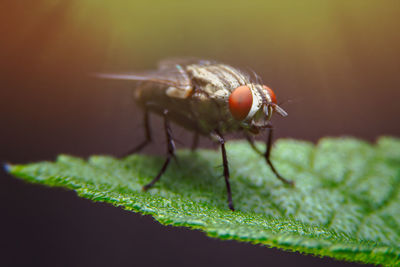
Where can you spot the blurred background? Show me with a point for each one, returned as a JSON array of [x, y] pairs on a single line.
[[337, 61]]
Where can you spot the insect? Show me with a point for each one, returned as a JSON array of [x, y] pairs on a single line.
[[208, 98]]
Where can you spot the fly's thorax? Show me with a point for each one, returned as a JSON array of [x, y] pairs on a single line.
[[216, 80], [219, 75]]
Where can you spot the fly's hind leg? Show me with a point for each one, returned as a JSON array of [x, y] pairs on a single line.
[[147, 132], [170, 151], [268, 160], [221, 141]]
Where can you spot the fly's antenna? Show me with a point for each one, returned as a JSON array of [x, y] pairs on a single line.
[[279, 110]]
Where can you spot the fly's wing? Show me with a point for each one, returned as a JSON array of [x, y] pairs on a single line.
[[182, 62], [173, 75], [171, 79]]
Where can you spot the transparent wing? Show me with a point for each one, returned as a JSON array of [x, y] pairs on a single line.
[[173, 75], [168, 78], [171, 63], [178, 83], [170, 72]]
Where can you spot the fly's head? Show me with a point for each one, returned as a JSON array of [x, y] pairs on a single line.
[[253, 105]]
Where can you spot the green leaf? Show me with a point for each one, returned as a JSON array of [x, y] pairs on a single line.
[[345, 205]]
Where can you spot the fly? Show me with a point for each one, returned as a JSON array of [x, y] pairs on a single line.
[[208, 98]]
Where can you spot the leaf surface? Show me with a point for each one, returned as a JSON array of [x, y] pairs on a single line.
[[345, 204]]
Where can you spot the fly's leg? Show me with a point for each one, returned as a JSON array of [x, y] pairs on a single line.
[[267, 158], [221, 141], [147, 132], [195, 141], [170, 151], [250, 139]]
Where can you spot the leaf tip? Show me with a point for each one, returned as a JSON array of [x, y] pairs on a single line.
[[7, 167]]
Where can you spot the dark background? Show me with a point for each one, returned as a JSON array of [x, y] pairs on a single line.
[[339, 61]]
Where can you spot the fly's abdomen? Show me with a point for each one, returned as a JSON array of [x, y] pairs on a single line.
[[154, 98]]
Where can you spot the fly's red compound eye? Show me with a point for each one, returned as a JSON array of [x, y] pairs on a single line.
[[271, 93], [240, 102]]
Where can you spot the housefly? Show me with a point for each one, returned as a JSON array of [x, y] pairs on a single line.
[[208, 98]]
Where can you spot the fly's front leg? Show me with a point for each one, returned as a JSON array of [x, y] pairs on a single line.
[[170, 151], [250, 139], [147, 132], [267, 158], [221, 141]]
